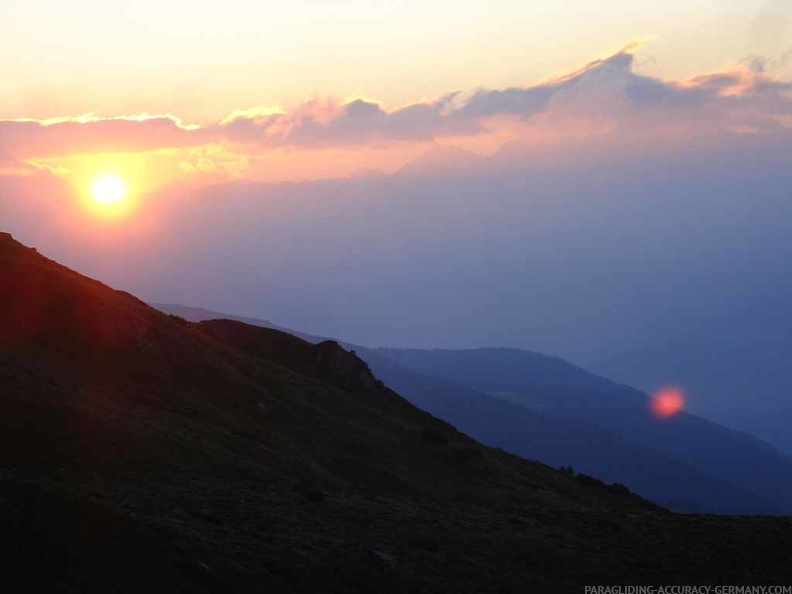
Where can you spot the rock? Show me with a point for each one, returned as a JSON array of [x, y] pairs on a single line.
[[344, 365]]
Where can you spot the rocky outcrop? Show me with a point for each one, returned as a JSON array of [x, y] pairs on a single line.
[[344, 366]]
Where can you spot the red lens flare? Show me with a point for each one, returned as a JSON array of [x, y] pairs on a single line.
[[667, 402]]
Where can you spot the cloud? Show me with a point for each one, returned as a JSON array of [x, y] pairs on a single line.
[[252, 113], [358, 121], [90, 134], [604, 88], [607, 91], [14, 167]]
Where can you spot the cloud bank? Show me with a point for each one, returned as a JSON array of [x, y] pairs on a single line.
[[606, 95]]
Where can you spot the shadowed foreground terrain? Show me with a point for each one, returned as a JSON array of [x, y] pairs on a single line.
[[140, 451]]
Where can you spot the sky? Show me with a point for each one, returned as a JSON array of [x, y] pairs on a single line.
[[346, 159], [179, 92], [201, 62], [162, 57]]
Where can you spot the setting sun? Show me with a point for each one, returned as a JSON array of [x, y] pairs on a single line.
[[108, 190]]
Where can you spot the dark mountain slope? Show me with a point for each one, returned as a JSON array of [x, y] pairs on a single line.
[[57, 540], [108, 381], [218, 457], [226, 457]]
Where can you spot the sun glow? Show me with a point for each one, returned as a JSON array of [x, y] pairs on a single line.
[[108, 190], [108, 195]]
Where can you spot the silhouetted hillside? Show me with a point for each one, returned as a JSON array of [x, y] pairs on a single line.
[[141, 451], [254, 459]]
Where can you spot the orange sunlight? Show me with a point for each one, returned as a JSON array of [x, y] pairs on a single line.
[[667, 402], [108, 190], [112, 184], [108, 195]]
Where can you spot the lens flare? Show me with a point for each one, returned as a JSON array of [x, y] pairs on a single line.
[[667, 402]]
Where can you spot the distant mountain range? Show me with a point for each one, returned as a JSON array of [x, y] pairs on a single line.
[[545, 408]]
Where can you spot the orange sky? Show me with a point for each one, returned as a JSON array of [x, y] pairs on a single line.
[[160, 94], [606, 99]]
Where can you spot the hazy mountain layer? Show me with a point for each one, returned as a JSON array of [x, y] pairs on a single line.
[[553, 411], [566, 392]]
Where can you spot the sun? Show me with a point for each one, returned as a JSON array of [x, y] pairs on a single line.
[[108, 190]]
